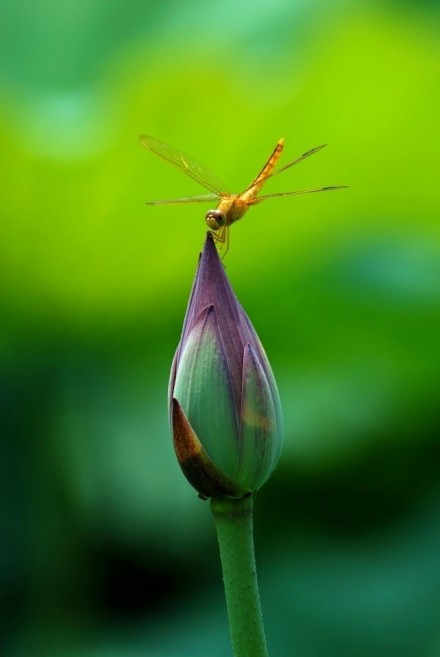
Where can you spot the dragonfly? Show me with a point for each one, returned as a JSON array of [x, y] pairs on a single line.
[[230, 207]]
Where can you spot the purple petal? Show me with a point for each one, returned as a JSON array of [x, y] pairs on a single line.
[[204, 390], [261, 425]]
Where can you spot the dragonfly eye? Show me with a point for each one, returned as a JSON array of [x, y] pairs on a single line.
[[215, 219]]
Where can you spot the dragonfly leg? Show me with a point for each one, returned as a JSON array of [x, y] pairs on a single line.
[[218, 237], [226, 238], [221, 238]]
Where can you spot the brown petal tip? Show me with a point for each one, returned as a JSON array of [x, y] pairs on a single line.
[[198, 468]]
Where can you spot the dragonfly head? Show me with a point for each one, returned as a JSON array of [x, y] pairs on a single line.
[[215, 219]]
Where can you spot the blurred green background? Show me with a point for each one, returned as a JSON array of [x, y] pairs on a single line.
[[105, 549]]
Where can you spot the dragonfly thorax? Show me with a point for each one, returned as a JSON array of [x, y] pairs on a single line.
[[215, 219]]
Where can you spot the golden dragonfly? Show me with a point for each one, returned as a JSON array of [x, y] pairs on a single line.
[[231, 207]]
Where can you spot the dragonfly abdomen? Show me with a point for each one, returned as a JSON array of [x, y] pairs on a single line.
[[266, 171]]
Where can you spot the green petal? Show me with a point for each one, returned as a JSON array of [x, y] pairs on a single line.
[[203, 389], [261, 424]]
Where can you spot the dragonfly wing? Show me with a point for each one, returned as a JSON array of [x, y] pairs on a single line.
[[186, 164], [302, 157], [204, 198], [304, 191]]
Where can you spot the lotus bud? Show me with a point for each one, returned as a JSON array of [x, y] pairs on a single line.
[[225, 410]]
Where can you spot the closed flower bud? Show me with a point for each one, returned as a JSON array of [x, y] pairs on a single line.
[[224, 404]]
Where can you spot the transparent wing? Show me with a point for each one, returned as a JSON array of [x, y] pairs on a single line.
[[305, 191], [186, 164], [186, 199], [302, 157]]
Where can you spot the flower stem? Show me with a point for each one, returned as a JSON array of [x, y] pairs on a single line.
[[233, 521]]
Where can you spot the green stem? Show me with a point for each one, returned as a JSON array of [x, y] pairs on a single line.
[[233, 521]]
